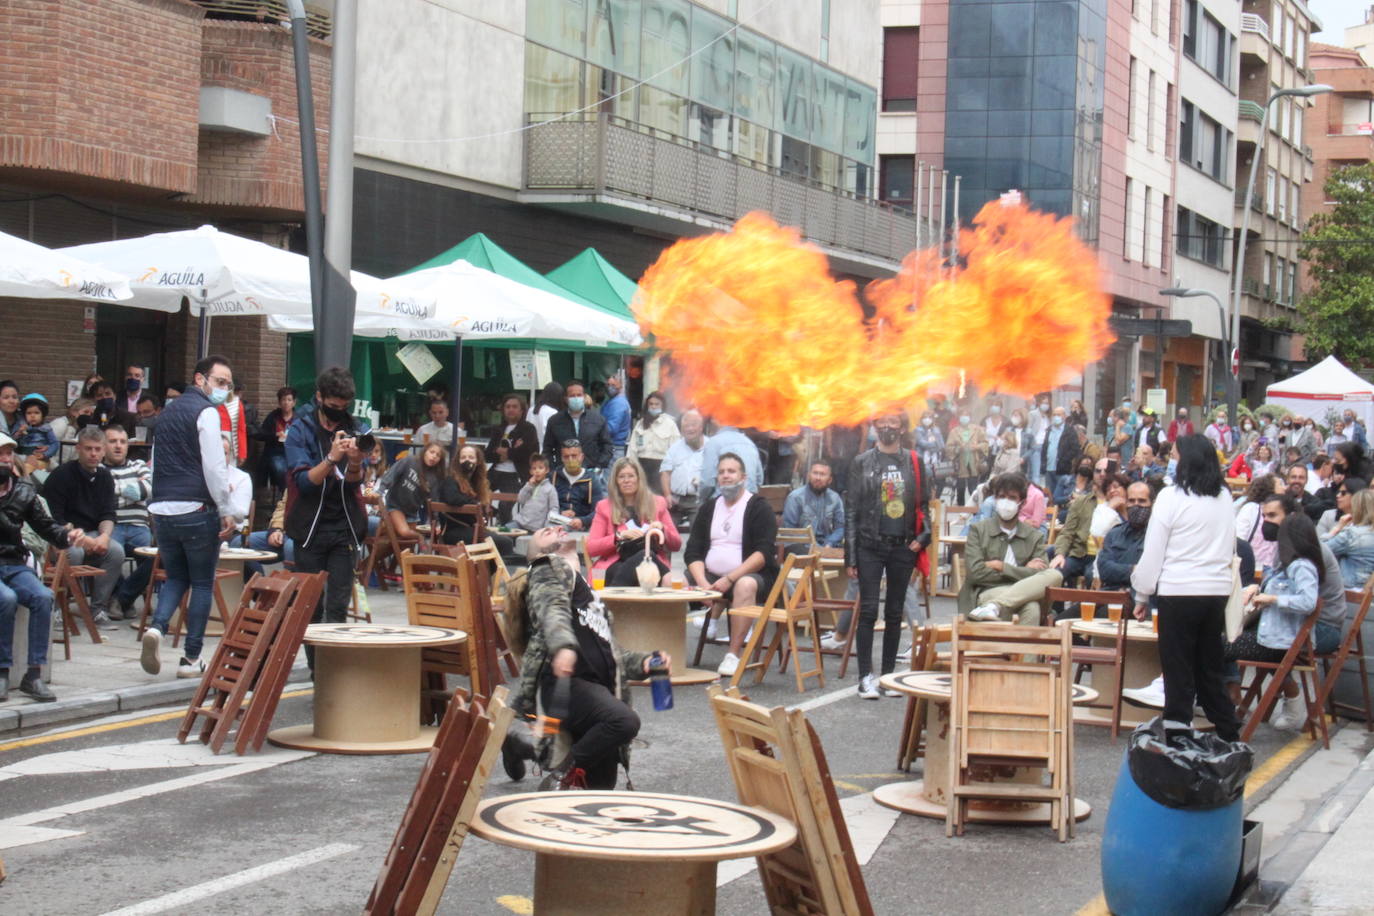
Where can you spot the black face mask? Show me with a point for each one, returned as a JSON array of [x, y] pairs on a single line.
[[1270, 531], [888, 436], [6, 472], [133, 385], [468, 467], [1138, 516], [335, 415]]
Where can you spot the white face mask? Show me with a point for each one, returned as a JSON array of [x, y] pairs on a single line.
[[1006, 508], [1016, 421], [926, 421]]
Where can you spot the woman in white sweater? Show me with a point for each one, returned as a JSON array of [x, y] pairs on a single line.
[[1186, 565], [651, 437]]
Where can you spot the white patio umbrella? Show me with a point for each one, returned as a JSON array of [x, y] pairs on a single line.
[[30, 271]]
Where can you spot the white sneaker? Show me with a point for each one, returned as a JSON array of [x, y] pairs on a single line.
[[868, 687], [987, 611], [889, 692], [152, 641], [1281, 717], [711, 628], [191, 667], [831, 641], [728, 665], [1151, 695]]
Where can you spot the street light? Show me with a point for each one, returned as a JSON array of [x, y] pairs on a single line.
[[1238, 268], [1232, 384]]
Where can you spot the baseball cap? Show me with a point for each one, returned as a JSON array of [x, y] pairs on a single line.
[[6, 439]]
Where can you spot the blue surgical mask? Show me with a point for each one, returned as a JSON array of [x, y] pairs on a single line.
[[218, 396], [1057, 420], [577, 404], [654, 411]]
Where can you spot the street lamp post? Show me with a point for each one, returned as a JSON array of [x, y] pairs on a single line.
[[1238, 268], [1232, 383]]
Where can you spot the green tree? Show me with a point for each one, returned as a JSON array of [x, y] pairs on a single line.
[[1337, 313]]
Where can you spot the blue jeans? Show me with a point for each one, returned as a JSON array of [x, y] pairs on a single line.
[[19, 585], [130, 587], [1033, 466], [189, 547], [276, 467], [257, 540]]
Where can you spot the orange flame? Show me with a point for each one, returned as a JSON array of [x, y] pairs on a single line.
[[761, 335]]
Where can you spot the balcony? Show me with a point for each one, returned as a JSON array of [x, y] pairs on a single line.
[[1249, 115], [1254, 37], [615, 169]]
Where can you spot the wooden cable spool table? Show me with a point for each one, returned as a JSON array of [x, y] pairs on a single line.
[[367, 689], [618, 852], [649, 621], [230, 587], [1141, 666], [928, 797]]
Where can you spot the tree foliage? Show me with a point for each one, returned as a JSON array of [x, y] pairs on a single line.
[[1337, 313]]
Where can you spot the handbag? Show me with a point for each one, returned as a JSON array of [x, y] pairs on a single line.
[[1235, 607]]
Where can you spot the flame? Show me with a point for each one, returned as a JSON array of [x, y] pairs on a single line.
[[762, 335]]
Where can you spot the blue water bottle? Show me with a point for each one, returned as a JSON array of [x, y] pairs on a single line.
[[660, 684]]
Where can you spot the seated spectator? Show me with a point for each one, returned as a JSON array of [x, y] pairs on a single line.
[[815, 504], [538, 499], [438, 429], [148, 411], [732, 549], [36, 437], [410, 484], [1075, 549], [1033, 510], [1109, 513], [465, 485], [1351, 539], [173, 391], [79, 413], [11, 417], [272, 434], [133, 485], [579, 489], [1142, 463], [273, 540], [1250, 518], [623, 520], [1262, 461], [106, 408], [1007, 573], [1296, 480], [81, 493], [1123, 544], [240, 484]]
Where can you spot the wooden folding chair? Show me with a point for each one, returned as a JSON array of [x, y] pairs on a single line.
[[1112, 655], [65, 579], [1297, 660], [445, 591], [486, 553], [777, 763], [256, 718], [1010, 714], [775, 494], [1333, 663], [385, 545], [788, 536], [438, 510], [418, 864], [796, 608], [219, 608], [925, 656]]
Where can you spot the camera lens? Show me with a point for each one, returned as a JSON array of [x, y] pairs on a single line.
[[366, 442]]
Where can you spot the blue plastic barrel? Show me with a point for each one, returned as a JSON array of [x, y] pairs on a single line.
[[1157, 859]]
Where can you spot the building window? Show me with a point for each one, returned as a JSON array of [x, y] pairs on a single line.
[[1203, 143], [898, 179], [1207, 42], [1131, 100], [1190, 10], [1267, 278], [1201, 239], [1293, 203], [1293, 285], [825, 30], [1168, 119], [1271, 180], [1150, 113], [1127, 230], [1281, 281], [1145, 230], [1164, 234], [900, 54]]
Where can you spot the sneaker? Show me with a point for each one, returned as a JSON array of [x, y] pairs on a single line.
[[868, 687], [515, 750], [103, 621], [1150, 696], [711, 628], [987, 611], [36, 690], [1281, 717], [190, 667], [889, 692], [728, 665], [573, 779], [116, 609], [151, 658]]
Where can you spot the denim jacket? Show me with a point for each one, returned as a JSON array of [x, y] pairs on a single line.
[[1295, 587], [1353, 547]]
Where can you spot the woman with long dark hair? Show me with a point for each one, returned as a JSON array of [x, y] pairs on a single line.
[[651, 438], [466, 485], [410, 484], [1186, 566]]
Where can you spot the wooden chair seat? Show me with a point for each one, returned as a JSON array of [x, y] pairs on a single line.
[[795, 609], [1297, 660], [65, 581]]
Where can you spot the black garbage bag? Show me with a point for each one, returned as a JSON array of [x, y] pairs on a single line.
[[1186, 768]]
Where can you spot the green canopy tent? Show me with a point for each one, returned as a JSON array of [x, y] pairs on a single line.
[[595, 279]]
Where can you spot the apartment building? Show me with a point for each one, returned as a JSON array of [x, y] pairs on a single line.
[[1340, 124]]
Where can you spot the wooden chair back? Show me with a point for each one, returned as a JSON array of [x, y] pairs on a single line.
[[925, 656], [446, 591], [776, 496], [797, 606], [1334, 662], [1297, 659], [788, 536], [64, 578], [486, 551], [281, 657], [475, 515], [777, 763], [1107, 651]]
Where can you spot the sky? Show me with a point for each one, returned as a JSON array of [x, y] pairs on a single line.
[[1335, 15]]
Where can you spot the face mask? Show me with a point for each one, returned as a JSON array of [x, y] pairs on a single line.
[[573, 466], [132, 385], [1044, 408], [887, 436], [1247, 427], [6, 472], [334, 415], [1270, 531], [1171, 467], [105, 404], [1287, 424], [1138, 516], [1126, 404], [926, 421], [577, 404], [730, 491], [1006, 508], [654, 411], [1058, 421], [965, 419], [467, 466], [994, 410], [218, 396], [1016, 421]]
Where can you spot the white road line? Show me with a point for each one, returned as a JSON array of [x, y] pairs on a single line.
[[196, 892], [825, 699]]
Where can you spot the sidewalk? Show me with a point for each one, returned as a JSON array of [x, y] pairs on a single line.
[[109, 678]]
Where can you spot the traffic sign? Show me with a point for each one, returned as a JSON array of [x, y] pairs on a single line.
[[1235, 362], [1150, 327]]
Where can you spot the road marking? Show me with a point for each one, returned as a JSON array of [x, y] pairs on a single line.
[[825, 699], [11, 835], [196, 892], [158, 753], [112, 726], [516, 904], [1259, 777]]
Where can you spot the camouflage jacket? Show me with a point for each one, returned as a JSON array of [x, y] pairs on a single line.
[[549, 606]]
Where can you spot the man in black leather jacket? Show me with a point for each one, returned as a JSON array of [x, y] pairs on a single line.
[[19, 503]]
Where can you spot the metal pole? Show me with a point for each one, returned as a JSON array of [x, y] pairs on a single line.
[[310, 179], [340, 299], [944, 189], [954, 222], [203, 328], [1159, 346], [1238, 268], [455, 394], [916, 201]]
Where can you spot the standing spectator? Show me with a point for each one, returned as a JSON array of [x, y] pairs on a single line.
[[1060, 454], [325, 515], [11, 417], [651, 438], [816, 505], [78, 412], [885, 531], [679, 476], [133, 389], [273, 436], [1146, 434], [580, 422], [133, 485], [81, 493], [35, 435], [438, 429], [1353, 428], [994, 424], [234, 420], [1243, 443], [1020, 439], [1263, 461], [623, 519], [548, 404], [1181, 425], [1079, 417], [930, 446], [512, 444], [1305, 439], [1186, 566], [409, 485], [190, 510], [107, 408], [579, 488], [19, 506], [1039, 426], [732, 440], [940, 413], [537, 501], [967, 447], [616, 412], [1337, 437]]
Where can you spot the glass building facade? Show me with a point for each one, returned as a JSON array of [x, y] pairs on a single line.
[[737, 91], [1024, 104]]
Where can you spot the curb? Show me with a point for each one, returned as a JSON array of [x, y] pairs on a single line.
[[124, 699]]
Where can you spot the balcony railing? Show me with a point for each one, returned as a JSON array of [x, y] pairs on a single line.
[[1251, 111], [1364, 128], [318, 22], [1249, 22], [612, 157]]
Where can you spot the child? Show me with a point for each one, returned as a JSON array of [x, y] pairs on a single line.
[[35, 436], [538, 499]]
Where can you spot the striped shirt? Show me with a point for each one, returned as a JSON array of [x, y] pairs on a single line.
[[133, 483]]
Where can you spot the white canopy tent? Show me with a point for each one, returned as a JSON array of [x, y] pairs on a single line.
[[1326, 387], [30, 271]]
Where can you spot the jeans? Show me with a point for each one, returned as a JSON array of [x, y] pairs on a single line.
[[600, 724], [1033, 466], [329, 552], [189, 547], [19, 585], [1192, 656], [276, 470], [131, 587], [102, 587], [1326, 638], [875, 559]]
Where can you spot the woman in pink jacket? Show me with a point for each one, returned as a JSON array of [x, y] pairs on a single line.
[[623, 519]]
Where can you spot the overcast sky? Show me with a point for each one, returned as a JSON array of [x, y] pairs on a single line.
[[1335, 15]]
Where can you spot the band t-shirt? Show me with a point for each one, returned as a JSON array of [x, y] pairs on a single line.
[[896, 495], [595, 657]]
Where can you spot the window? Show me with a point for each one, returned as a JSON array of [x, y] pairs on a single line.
[[1276, 23], [1168, 124], [1127, 231], [1283, 200], [713, 67], [898, 179], [1267, 277], [1190, 10], [1145, 230], [1271, 178], [1280, 281], [1201, 239], [900, 54], [1293, 203], [1131, 99], [1300, 56], [553, 82], [1150, 114], [1203, 143], [666, 44], [613, 36], [1164, 234], [1293, 284], [560, 24], [825, 30], [1207, 42]]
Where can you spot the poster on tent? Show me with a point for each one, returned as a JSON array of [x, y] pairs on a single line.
[[422, 364], [543, 368], [522, 369]]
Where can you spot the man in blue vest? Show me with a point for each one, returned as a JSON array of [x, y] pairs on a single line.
[[190, 509]]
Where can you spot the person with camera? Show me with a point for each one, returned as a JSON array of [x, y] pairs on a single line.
[[326, 518]]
